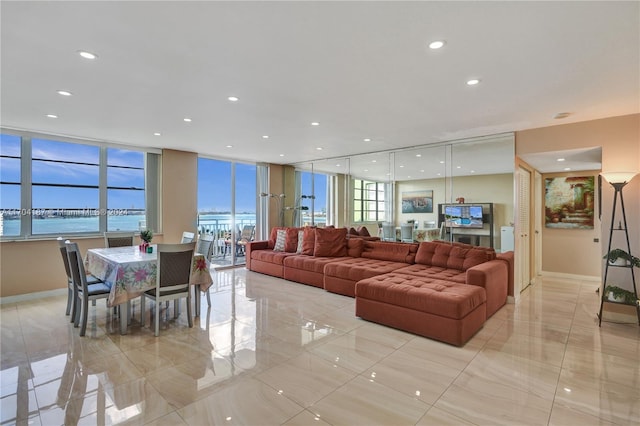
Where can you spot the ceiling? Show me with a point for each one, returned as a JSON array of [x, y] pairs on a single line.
[[362, 70]]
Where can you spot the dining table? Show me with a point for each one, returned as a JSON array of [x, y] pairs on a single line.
[[130, 271]]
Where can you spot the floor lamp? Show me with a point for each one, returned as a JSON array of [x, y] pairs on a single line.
[[278, 198], [618, 180]]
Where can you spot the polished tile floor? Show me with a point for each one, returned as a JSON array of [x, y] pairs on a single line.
[[270, 352]]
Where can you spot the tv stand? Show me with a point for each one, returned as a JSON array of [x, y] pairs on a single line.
[[469, 235]]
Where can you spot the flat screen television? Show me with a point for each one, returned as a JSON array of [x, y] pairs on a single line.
[[463, 216]]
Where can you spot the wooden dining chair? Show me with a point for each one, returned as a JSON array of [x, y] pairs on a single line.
[[172, 280], [118, 239], [71, 295], [84, 292]]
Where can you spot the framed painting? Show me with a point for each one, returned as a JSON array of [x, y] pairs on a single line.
[[569, 202], [417, 201]]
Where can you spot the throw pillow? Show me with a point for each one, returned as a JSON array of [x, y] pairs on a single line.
[[300, 241], [363, 231], [330, 242], [281, 236], [291, 242], [308, 240], [352, 231]]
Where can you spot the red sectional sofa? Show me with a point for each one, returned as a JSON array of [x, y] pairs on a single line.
[[437, 289]]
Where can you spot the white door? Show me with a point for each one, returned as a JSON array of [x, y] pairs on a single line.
[[522, 273]]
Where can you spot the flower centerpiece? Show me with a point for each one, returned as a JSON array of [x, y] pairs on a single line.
[[146, 236]]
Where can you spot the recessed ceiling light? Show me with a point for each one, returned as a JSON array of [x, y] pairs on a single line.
[[265, 136], [229, 146], [561, 115], [281, 155], [472, 171], [188, 120], [418, 155], [560, 159], [315, 123], [87, 55], [473, 82], [458, 167], [422, 171], [52, 116], [64, 93], [337, 165], [319, 148], [374, 161], [436, 44], [233, 98], [441, 161], [438, 174], [366, 170], [567, 168], [367, 139], [401, 167], [157, 134]]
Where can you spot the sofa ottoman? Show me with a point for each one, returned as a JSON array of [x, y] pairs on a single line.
[[439, 309]]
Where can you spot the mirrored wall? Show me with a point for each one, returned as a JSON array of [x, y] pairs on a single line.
[[465, 185]]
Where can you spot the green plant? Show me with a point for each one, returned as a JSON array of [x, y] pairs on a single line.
[[146, 235], [617, 293], [618, 253]]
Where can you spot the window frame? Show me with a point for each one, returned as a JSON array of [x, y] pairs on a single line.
[[360, 195], [151, 186]]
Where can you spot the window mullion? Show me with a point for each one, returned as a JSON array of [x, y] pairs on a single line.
[[25, 186], [102, 183]]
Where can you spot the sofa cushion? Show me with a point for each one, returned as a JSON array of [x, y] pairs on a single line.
[[291, 240], [330, 242], [309, 240], [363, 231], [270, 256], [355, 269], [355, 247], [308, 263], [438, 297], [450, 256], [436, 272], [281, 236], [394, 252]]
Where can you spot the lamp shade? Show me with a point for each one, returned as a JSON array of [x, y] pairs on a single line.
[[618, 177]]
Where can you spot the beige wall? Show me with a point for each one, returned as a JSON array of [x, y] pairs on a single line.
[[496, 189], [572, 251]]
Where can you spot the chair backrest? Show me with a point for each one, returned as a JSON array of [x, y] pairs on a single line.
[[118, 239], [76, 266], [406, 232], [248, 233], [443, 231], [187, 237], [174, 266], [65, 257], [429, 224], [204, 245], [388, 232]]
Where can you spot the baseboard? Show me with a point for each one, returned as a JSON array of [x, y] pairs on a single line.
[[32, 296], [570, 276]]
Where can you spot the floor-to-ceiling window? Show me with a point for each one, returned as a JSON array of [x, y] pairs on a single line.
[[226, 207]]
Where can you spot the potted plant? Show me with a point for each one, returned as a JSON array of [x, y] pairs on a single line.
[[620, 257], [146, 235], [620, 295]]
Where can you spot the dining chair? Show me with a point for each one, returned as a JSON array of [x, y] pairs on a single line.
[[83, 290], [172, 280], [406, 232], [70, 286], [204, 246], [187, 237], [118, 239], [388, 232]]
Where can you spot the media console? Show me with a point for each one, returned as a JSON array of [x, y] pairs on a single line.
[[467, 222]]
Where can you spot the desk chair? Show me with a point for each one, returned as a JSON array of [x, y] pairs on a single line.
[[187, 237], [388, 232], [406, 232]]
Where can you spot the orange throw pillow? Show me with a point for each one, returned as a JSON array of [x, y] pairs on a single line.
[[308, 240]]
